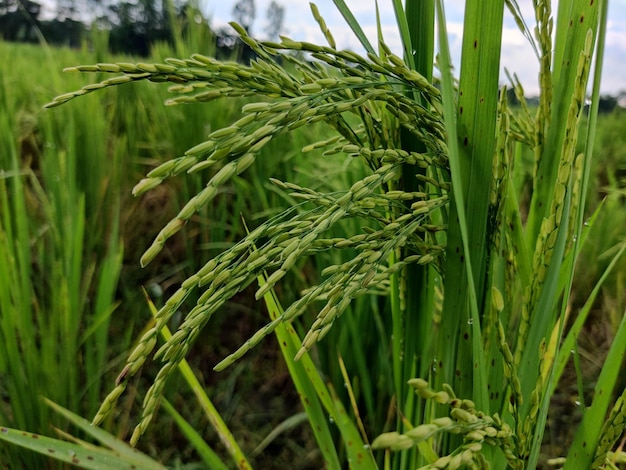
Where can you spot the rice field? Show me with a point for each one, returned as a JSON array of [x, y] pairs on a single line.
[[75, 302]]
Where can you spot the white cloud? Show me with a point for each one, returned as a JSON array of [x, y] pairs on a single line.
[[517, 55]]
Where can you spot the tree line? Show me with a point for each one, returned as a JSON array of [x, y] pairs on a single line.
[[133, 26]]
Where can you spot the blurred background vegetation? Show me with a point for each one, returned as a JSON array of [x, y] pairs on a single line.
[[130, 27]]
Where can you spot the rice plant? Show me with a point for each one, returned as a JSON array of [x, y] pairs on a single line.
[[477, 279]]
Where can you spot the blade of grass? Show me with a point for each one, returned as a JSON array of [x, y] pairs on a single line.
[[285, 425], [587, 436], [406, 37], [314, 394], [354, 25], [118, 447], [214, 417], [464, 167], [416, 25], [579, 381], [353, 404], [96, 459], [208, 455], [569, 342], [540, 327]]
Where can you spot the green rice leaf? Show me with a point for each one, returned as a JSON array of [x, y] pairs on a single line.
[[96, 458], [208, 455], [314, 394], [569, 342], [213, 416], [405, 33], [354, 25], [587, 436], [118, 454]]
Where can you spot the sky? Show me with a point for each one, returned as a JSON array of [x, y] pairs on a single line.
[[517, 55]]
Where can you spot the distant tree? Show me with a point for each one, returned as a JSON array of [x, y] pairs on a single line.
[[66, 9], [136, 25], [66, 32], [607, 103], [244, 13], [19, 20], [275, 20]]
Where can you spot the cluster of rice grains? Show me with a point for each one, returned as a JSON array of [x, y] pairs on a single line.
[[327, 88], [475, 427]]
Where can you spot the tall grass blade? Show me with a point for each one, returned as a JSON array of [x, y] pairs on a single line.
[[315, 395], [117, 454], [406, 35], [90, 458], [587, 436], [121, 448], [354, 25], [544, 319], [471, 142], [569, 343], [208, 455], [213, 416]]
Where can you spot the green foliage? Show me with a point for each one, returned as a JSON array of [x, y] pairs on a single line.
[[429, 245], [114, 453], [58, 273]]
